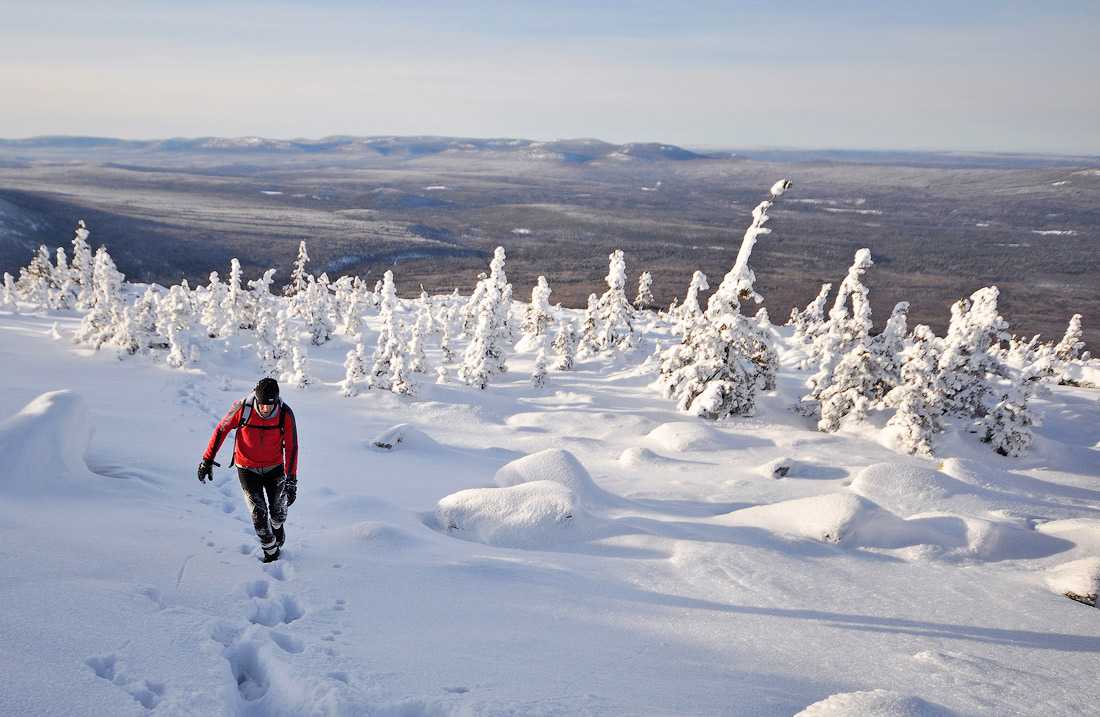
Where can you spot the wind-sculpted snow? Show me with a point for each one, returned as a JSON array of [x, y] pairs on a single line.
[[683, 436], [1078, 580], [45, 443], [906, 489], [533, 515], [405, 436], [873, 703], [558, 466]]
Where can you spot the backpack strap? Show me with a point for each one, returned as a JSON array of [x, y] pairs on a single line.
[[282, 424], [246, 413]]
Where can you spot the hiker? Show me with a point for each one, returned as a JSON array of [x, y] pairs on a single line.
[[265, 452]]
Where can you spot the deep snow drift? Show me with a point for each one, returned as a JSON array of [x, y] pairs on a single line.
[[576, 549]]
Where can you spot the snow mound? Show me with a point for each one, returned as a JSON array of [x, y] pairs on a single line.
[[906, 489], [528, 515], [638, 457], [1078, 580], [405, 435], [1082, 532], [679, 436], [557, 466], [378, 533], [45, 441], [833, 518], [856, 522], [873, 703], [1079, 373]]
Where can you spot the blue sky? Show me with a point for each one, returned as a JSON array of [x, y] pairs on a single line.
[[980, 75]]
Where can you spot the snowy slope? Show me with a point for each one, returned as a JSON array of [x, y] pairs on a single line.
[[650, 565]]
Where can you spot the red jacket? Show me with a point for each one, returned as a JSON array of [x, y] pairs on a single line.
[[259, 443]]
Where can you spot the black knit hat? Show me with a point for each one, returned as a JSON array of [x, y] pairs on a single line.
[[267, 391]]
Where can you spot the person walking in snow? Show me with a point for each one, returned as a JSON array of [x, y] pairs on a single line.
[[265, 452]]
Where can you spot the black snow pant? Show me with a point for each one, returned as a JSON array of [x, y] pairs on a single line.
[[268, 511]]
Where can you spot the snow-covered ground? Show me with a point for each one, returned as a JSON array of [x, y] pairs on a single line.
[[579, 549]]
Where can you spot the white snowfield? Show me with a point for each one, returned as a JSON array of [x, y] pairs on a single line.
[[579, 549]]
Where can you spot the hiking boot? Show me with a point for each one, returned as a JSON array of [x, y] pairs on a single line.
[[270, 557]]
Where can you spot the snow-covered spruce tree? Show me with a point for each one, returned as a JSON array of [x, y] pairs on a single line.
[[145, 320], [82, 266], [644, 300], [589, 327], [425, 313], [299, 276], [565, 345], [712, 373], [34, 280], [213, 316], [280, 361], [485, 354], [300, 375], [614, 314], [538, 373], [848, 394], [400, 380], [917, 418], [355, 370], [471, 310], [845, 329], [62, 287], [387, 345], [1072, 343], [809, 322], [174, 322], [8, 298], [1007, 425], [262, 309], [107, 316], [673, 310], [690, 311], [342, 292], [445, 340], [886, 351], [414, 350], [352, 300], [234, 311], [316, 309], [969, 362], [538, 314]]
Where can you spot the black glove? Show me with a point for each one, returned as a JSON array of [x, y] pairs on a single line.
[[291, 490], [206, 470]]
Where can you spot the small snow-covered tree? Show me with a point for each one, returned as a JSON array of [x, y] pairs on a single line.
[[808, 322], [62, 287], [589, 326], [145, 320], [1072, 343], [614, 314], [538, 313], [280, 361], [886, 351], [262, 307], [414, 350], [847, 395], [644, 300], [917, 418], [213, 314], [233, 303], [300, 375], [690, 311], [82, 266], [316, 309], [720, 364], [174, 322], [968, 363], [538, 373], [34, 279], [387, 345], [485, 354], [400, 380], [355, 370], [1007, 425], [565, 345], [845, 329], [106, 316], [8, 299], [299, 276], [445, 341]]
